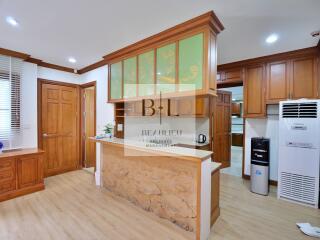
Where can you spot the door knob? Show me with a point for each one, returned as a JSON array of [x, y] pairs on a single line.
[[45, 135]]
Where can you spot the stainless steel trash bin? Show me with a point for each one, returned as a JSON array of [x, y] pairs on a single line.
[[260, 165]]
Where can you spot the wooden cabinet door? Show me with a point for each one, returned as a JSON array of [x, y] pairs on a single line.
[[236, 109], [254, 99], [166, 69], [191, 63], [304, 78], [116, 81], [130, 77], [193, 107], [277, 81], [27, 171], [146, 73]]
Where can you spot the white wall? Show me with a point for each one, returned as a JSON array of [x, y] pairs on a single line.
[[56, 75], [267, 128], [104, 113], [29, 105]]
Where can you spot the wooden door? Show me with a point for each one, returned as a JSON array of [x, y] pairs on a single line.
[[221, 131], [60, 128], [304, 78], [277, 82], [89, 127], [254, 98]]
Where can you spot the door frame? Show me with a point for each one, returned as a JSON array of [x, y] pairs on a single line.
[[40, 82], [82, 138]]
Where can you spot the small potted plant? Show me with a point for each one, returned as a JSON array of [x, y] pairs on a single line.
[[108, 130]]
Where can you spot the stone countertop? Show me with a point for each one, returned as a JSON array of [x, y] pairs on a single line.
[[190, 154]]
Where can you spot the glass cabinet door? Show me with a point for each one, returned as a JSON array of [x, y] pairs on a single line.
[[166, 68], [130, 77], [116, 81], [146, 73], [191, 63]]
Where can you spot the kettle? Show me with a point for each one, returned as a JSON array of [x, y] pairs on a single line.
[[201, 138]]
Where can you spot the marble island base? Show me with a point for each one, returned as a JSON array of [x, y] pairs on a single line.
[[175, 187]]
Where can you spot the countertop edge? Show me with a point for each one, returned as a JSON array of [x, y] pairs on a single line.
[[22, 152], [156, 151]]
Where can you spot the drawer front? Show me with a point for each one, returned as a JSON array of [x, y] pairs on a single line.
[[6, 163], [7, 186]]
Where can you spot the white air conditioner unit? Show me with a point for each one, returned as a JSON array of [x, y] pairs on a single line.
[[299, 151]]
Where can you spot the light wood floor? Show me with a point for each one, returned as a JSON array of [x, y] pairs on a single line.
[[71, 207]]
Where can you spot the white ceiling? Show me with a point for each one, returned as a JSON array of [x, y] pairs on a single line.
[[87, 29]]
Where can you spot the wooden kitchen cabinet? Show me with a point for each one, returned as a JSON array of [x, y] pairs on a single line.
[[254, 97], [291, 79], [304, 78], [178, 62], [28, 171], [230, 76], [193, 107], [21, 172], [278, 81], [236, 109]]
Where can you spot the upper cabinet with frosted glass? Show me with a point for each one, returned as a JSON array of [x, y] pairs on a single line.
[[180, 61]]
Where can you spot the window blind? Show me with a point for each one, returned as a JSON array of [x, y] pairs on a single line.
[[10, 102]]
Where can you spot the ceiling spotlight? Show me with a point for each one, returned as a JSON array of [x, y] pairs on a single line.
[[72, 60], [272, 38], [12, 21]]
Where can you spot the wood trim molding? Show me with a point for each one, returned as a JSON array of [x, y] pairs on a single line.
[[318, 46], [57, 67], [92, 66], [268, 58], [15, 54], [39, 62], [207, 19]]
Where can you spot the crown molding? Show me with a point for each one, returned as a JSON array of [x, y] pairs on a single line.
[[39, 62], [93, 66], [11, 53], [274, 57]]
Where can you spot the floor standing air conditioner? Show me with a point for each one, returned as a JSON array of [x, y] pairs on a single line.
[[299, 151]]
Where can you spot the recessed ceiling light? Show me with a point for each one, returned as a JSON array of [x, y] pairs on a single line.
[[272, 38], [72, 60], [12, 21]]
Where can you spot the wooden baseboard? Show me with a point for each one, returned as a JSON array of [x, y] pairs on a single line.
[[59, 171], [21, 192], [271, 182]]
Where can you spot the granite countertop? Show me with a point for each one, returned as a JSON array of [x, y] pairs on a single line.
[[172, 150]]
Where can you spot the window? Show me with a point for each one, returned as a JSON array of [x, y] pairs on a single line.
[[10, 76]]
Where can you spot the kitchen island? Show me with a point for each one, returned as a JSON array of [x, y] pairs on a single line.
[[173, 182]]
